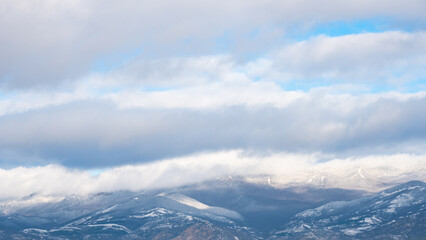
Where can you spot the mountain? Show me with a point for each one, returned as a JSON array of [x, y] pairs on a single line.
[[222, 210], [143, 217], [396, 213], [36, 212], [263, 206]]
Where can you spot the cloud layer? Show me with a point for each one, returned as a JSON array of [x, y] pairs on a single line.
[[48, 42], [282, 169], [101, 133]]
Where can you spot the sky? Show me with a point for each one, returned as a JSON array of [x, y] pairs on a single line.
[[92, 92]]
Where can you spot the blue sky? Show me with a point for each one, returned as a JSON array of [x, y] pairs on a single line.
[[93, 85]]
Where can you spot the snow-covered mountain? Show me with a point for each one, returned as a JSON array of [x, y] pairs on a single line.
[[222, 210], [396, 213], [157, 216], [149, 217]]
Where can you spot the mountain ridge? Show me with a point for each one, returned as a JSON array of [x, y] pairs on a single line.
[[227, 210]]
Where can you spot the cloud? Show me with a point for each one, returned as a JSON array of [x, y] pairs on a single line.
[[45, 43], [125, 85], [148, 110], [174, 72], [352, 64], [99, 132], [387, 58], [281, 168]]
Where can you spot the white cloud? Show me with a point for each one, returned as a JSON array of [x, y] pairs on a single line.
[[357, 61], [174, 72], [27, 101], [49, 42], [376, 58], [237, 91], [282, 168]]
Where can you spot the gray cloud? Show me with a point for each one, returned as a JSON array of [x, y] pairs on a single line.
[[97, 134], [49, 42]]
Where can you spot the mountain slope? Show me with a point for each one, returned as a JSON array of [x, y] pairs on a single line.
[[396, 213], [223, 210], [149, 217]]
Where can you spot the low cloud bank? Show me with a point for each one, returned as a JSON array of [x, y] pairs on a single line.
[[280, 168]]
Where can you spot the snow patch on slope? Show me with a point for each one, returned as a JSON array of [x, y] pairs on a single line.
[[188, 201], [201, 206]]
